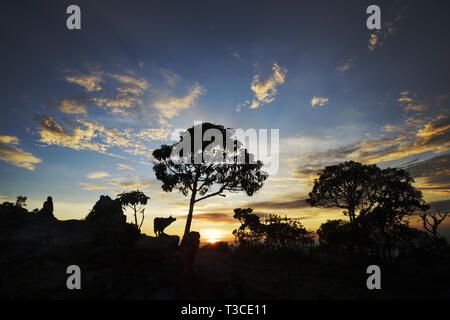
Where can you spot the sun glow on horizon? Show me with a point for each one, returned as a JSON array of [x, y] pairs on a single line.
[[212, 235]]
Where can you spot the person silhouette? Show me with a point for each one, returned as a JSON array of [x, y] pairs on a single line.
[[47, 209]]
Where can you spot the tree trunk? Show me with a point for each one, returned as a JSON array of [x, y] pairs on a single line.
[[187, 229], [135, 216], [351, 213]]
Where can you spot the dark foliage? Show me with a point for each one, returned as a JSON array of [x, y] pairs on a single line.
[[364, 189], [136, 200], [273, 232]]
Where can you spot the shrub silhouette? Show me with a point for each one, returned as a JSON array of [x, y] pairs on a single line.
[[21, 201], [136, 200], [220, 246], [250, 231], [273, 232], [335, 235], [432, 220], [11, 213], [14, 213], [189, 173]]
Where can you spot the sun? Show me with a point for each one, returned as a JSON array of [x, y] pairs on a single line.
[[211, 235]]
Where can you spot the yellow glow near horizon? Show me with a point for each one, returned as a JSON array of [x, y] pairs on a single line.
[[212, 235]]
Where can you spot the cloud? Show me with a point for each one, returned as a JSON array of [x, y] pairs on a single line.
[[408, 103], [349, 63], [421, 131], [170, 76], [291, 204], [433, 136], [154, 134], [89, 82], [379, 37], [123, 166], [129, 80], [373, 41], [72, 107], [432, 174], [11, 154], [266, 90], [85, 135], [126, 95], [236, 55], [119, 103], [390, 128], [91, 186], [9, 140], [318, 101], [129, 95], [170, 106], [131, 183], [214, 217], [97, 175], [81, 138]]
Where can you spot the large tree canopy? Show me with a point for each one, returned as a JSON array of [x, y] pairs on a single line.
[[207, 161], [363, 189]]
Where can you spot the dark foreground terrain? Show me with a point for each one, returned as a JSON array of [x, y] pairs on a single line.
[[118, 263]]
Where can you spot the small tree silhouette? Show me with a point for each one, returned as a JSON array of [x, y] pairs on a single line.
[[334, 235], [249, 232], [21, 201], [203, 179], [136, 200], [274, 232], [432, 220]]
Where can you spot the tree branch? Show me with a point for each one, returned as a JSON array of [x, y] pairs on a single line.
[[212, 195]]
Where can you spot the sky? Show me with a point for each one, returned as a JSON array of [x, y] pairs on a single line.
[[82, 110]]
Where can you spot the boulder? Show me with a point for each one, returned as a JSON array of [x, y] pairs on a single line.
[[157, 248]]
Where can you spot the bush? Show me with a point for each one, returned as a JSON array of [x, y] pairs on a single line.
[[272, 233]]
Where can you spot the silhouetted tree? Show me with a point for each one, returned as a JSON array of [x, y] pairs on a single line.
[[249, 232], [335, 234], [21, 201], [136, 200], [432, 220], [273, 231], [376, 201], [283, 233], [186, 166], [361, 189]]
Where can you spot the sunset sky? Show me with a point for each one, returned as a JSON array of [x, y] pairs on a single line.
[[82, 110]]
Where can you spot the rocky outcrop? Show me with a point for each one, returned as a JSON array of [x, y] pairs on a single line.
[[159, 248], [35, 252]]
